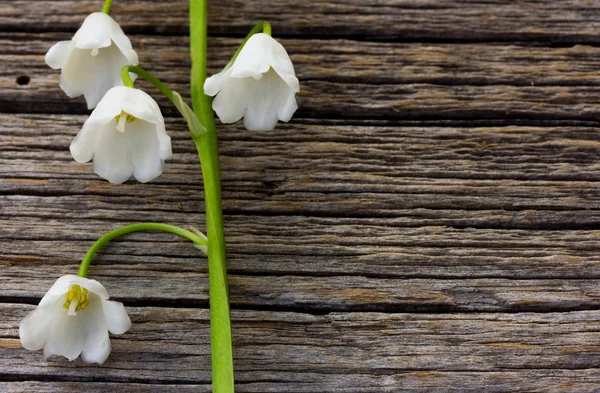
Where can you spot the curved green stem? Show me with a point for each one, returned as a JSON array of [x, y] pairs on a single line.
[[145, 226], [106, 7], [147, 76], [264, 27], [195, 126], [208, 150]]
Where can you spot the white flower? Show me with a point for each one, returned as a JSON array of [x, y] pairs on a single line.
[[124, 135], [91, 62], [261, 85], [73, 318]]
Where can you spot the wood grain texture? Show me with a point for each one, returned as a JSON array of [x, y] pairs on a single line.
[[348, 60], [532, 83], [283, 223], [428, 222], [471, 20], [375, 352]]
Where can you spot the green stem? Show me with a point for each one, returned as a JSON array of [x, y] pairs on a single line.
[[145, 226], [263, 26], [208, 150], [127, 81], [106, 7]]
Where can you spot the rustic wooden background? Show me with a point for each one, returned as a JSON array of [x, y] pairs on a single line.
[[428, 222]]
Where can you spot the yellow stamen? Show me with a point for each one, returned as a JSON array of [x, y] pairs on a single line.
[[122, 119], [76, 300]]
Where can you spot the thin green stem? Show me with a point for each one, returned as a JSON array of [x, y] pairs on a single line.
[[263, 26], [208, 150], [127, 81], [145, 226], [106, 7]]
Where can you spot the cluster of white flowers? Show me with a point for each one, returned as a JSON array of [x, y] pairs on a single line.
[[125, 134]]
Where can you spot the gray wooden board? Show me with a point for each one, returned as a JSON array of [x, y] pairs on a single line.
[[428, 222], [432, 82], [469, 20], [338, 352]]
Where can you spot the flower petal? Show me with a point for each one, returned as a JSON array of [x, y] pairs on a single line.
[[95, 32], [91, 285], [64, 336], [83, 146], [70, 90], [138, 103], [96, 347], [116, 317], [104, 73], [144, 146], [33, 329], [214, 84], [282, 64], [164, 142], [108, 108], [231, 102], [123, 43], [288, 106], [76, 72], [58, 55], [268, 95], [112, 157], [290, 80], [255, 57], [58, 289]]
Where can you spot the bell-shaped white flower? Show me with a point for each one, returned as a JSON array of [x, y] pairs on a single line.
[[124, 135], [261, 86], [91, 62], [72, 319]]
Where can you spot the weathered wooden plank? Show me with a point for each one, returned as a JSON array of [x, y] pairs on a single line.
[[554, 21], [104, 387], [350, 61], [140, 285], [319, 99], [380, 350], [326, 96], [550, 381], [386, 175], [311, 246], [325, 170]]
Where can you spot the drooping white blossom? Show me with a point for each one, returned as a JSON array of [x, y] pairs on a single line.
[[72, 319], [125, 135], [260, 86], [91, 62]]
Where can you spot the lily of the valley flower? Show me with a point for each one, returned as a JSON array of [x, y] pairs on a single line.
[[91, 62], [261, 86], [72, 319], [124, 135]]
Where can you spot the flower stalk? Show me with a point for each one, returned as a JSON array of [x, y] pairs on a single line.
[[106, 7], [208, 150], [141, 227]]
